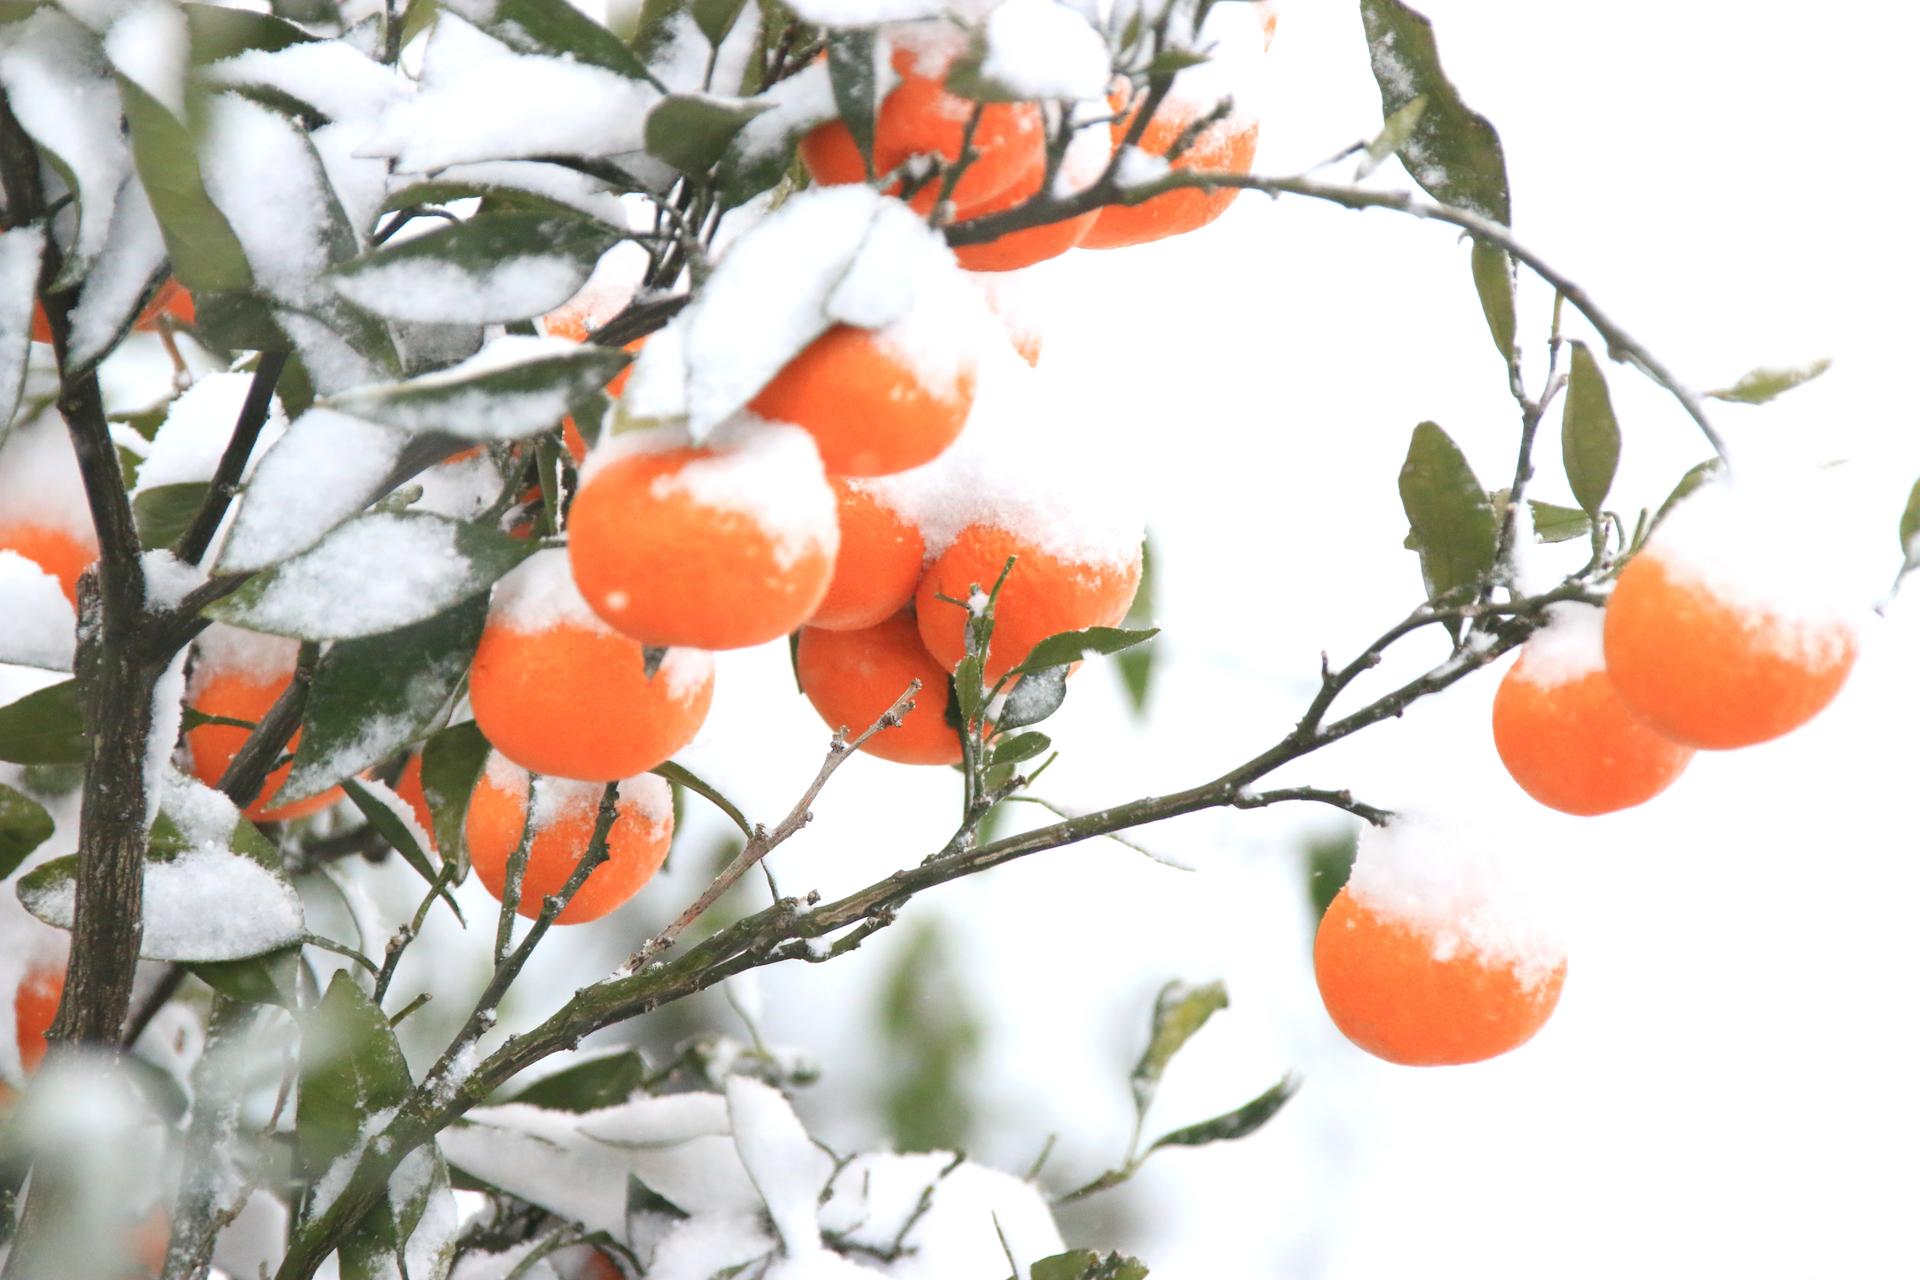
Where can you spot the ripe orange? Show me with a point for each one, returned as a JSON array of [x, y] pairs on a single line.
[[881, 555], [35, 1002], [564, 814], [1712, 671], [1567, 738], [1394, 990], [873, 404], [245, 690], [852, 677], [721, 546], [171, 299], [409, 787], [558, 691], [1225, 147], [576, 322], [59, 552], [1018, 249], [1045, 594], [920, 118]]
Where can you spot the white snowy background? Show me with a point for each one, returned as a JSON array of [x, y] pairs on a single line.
[[1725, 1088]]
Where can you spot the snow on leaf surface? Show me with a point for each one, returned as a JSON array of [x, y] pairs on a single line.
[[498, 267], [330, 76], [194, 434], [507, 180], [514, 386], [786, 1167], [39, 621], [111, 295], [262, 173], [21, 249], [324, 470], [1044, 49]]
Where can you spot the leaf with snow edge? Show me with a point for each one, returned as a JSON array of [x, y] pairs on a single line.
[[1178, 1012], [1072, 646], [48, 726], [216, 31], [969, 695], [21, 250], [1019, 747], [1589, 433], [1037, 695], [865, 13], [324, 470], [553, 28], [1453, 153], [371, 697], [680, 775], [272, 978], [411, 1232], [1136, 666], [1237, 1123], [238, 322], [128, 270], [1696, 475], [350, 1068], [62, 93], [324, 80], [604, 1080], [209, 895], [788, 1170], [514, 387], [25, 825], [450, 765], [762, 153], [1454, 529], [162, 513], [1762, 385], [1554, 523], [388, 814], [1394, 132], [529, 186], [201, 244], [854, 72], [716, 18], [1493, 280], [692, 131], [493, 268], [1085, 1264], [374, 575]]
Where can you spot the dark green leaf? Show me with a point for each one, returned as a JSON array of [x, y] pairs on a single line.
[[682, 776], [1178, 1012], [1452, 152], [1037, 696], [1021, 746], [163, 512], [1589, 434], [1237, 1123], [1762, 385], [1553, 523], [497, 190], [393, 829], [1454, 529], [1072, 646], [969, 695], [760, 157], [205, 253], [851, 67], [1329, 862], [238, 322], [350, 1068], [691, 131], [450, 766], [1493, 281], [606, 1080], [551, 27], [216, 31], [1910, 525], [48, 726], [1394, 132], [347, 586], [1169, 62], [272, 978], [1085, 1264], [715, 18], [24, 826], [481, 256]]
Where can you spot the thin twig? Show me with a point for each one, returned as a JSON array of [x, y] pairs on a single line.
[[198, 536]]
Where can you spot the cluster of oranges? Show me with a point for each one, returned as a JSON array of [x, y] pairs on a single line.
[[1601, 712]]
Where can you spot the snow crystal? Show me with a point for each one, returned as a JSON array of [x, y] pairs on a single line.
[[1570, 647], [1470, 890], [1044, 49], [325, 468], [40, 481], [188, 446], [149, 47], [223, 650], [373, 574], [39, 621], [327, 75], [787, 1169]]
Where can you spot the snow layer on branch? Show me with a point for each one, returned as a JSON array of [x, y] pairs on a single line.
[[168, 578], [328, 75], [198, 424], [325, 468], [132, 257], [163, 732], [1044, 49], [149, 47], [38, 631], [789, 1171], [1472, 890], [39, 480], [263, 174]]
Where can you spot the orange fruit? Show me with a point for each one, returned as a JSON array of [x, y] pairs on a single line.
[[1713, 671], [62, 554], [920, 118], [881, 555], [1567, 738], [171, 299], [1224, 147], [558, 691], [852, 677], [1018, 249], [564, 814], [241, 679], [1394, 988], [719, 546], [1044, 595], [41, 329], [873, 403], [35, 1001], [411, 789]]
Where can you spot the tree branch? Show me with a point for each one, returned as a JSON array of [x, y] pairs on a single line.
[[198, 536]]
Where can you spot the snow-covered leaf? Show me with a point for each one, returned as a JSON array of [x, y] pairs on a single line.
[[272, 978], [372, 575], [24, 826], [215, 32], [411, 1233], [550, 27], [1086, 1264], [853, 67], [761, 153], [1762, 385], [328, 78], [691, 131], [1589, 434], [48, 726], [1237, 1123], [1178, 1012], [1072, 646], [1452, 518], [21, 249], [388, 814], [122, 277], [1451, 151], [513, 387], [325, 469], [789, 1171], [532, 186], [494, 268], [450, 765], [606, 1079], [1037, 695], [352, 1078], [865, 13], [1394, 132], [1493, 281], [162, 513], [1034, 49]]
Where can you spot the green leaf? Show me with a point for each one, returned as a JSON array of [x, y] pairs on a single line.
[[1696, 475], [1393, 135], [163, 512], [1021, 746], [238, 322], [854, 73], [680, 775], [1589, 434], [692, 131], [374, 575], [484, 400], [605, 1080], [272, 978], [48, 726], [64, 99], [1910, 525], [371, 697], [1178, 1012], [969, 695], [394, 831], [1037, 696], [497, 189], [1452, 152], [1237, 1123], [553, 28], [202, 247], [450, 766], [715, 18], [1136, 665], [1493, 281], [759, 158], [1085, 1264], [350, 1068], [1454, 528], [1554, 523], [474, 265], [1762, 385], [1072, 646], [216, 31], [25, 825]]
